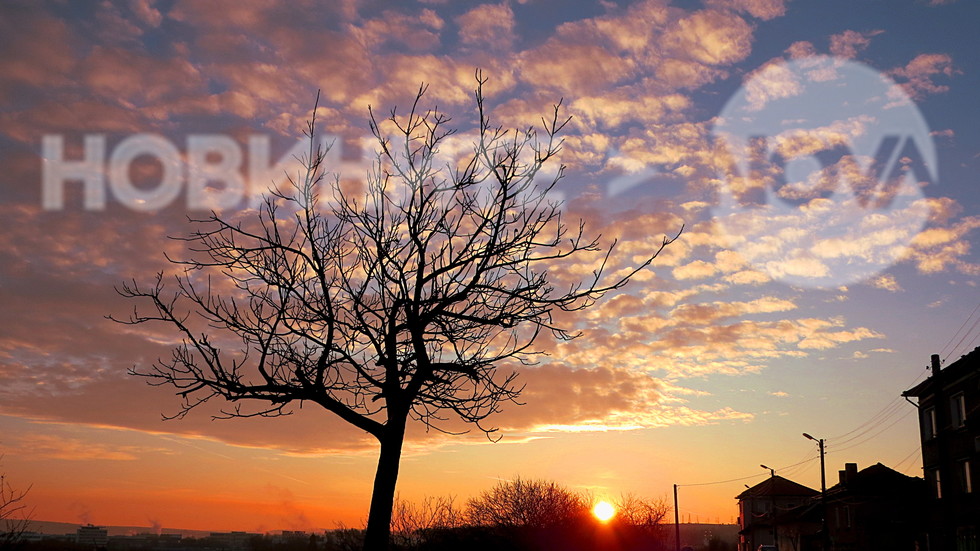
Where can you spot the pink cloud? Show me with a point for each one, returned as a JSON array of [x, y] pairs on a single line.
[[39, 50], [137, 80], [144, 10], [488, 26], [762, 9], [710, 37], [417, 32], [918, 76], [849, 43]]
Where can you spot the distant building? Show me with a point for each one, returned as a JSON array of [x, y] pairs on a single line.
[[290, 536], [145, 541], [949, 421], [770, 510], [233, 541], [92, 536]]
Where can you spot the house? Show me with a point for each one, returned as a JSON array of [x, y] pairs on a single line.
[[769, 511], [949, 421], [874, 509]]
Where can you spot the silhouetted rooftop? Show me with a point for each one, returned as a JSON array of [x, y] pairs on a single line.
[[966, 363], [777, 486], [877, 480]]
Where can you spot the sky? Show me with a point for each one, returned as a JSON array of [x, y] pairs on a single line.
[[799, 298]]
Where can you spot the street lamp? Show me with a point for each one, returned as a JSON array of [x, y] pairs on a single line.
[[823, 488], [823, 470]]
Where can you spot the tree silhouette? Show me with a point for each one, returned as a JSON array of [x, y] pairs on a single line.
[[412, 522], [540, 514], [15, 519], [521, 503], [397, 301]]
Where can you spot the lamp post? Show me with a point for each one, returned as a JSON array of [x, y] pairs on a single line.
[[823, 489], [772, 494]]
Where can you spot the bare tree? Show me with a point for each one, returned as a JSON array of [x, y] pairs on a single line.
[[411, 522], [528, 504], [648, 517], [398, 302], [15, 519]]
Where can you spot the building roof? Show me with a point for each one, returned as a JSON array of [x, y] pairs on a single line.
[[878, 480], [964, 366], [777, 486]]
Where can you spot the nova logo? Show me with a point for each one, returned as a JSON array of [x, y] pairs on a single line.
[[824, 164]]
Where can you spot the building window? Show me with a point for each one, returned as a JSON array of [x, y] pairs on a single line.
[[957, 406], [937, 484], [967, 478], [929, 428], [843, 517]]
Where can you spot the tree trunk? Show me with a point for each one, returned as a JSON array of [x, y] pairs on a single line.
[[382, 499]]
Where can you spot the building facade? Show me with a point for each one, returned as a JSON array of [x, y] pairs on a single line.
[[95, 537], [875, 509], [949, 422], [768, 512]]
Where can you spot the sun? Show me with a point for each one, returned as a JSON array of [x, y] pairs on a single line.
[[603, 511]]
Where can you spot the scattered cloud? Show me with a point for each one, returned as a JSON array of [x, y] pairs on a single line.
[[488, 26], [761, 9], [849, 43], [630, 77], [886, 282], [919, 76], [50, 446]]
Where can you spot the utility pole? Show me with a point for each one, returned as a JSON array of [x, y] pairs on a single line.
[[772, 494], [823, 490], [677, 522]]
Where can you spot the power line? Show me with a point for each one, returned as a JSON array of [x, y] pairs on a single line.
[[890, 409], [750, 476], [886, 414], [900, 465], [965, 335], [790, 470], [877, 434], [722, 481], [966, 321], [974, 341], [873, 426]]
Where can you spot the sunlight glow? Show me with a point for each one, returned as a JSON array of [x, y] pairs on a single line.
[[603, 511]]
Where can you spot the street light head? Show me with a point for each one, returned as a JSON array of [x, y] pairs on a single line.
[[764, 467], [805, 435]]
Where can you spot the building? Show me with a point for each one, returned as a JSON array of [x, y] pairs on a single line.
[[233, 540], [770, 510], [92, 536], [875, 509], [141, 542], [949, 421]]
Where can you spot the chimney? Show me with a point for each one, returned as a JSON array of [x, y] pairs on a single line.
[[850, 471], [935, 365]]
